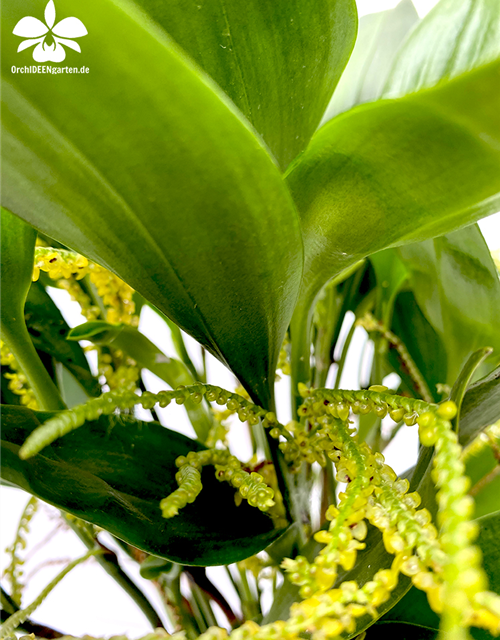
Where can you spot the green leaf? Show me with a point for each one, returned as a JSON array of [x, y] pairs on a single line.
[[422, 342], [456, 284], [148, 356], [414, 608], [394, 172], [379, 37], [481, 407], [157, 177], [400, 630], [463, 380], [278, 61], [48, 331], [455, 37], [114, 472]]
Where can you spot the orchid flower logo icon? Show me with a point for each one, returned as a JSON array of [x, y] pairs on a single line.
[[50, 38]]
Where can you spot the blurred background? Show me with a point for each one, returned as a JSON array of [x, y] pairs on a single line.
[[88, 600]]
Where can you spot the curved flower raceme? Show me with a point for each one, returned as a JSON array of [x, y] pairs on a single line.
[[50, 37], [442, 562]]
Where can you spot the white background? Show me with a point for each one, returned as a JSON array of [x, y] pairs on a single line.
[[88, 601]]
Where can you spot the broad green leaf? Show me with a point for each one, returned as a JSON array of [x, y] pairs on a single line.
[[379, 37], [17, 255], [413, 608], [394, 172], [454, 37], [157, 177], [278, 61], [400, 630], [148, 356], [48, 331], [481, 407], [456, 284], [114, 472]]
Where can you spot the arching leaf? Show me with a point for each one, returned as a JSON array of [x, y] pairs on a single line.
[[278, 61], [157, 177], [114, 472]]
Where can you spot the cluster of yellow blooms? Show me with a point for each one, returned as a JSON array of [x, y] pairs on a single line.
[[116, 295], [444, 564], [67, 268]]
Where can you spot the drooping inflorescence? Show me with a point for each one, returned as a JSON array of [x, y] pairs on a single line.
[[14, 570], [250, 486], [443, 563]]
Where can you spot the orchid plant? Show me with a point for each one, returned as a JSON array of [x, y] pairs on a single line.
[[270, 179]]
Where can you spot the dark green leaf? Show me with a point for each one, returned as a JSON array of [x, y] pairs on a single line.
[[481, 407], [148, 356], [432, 53], [157, 177], [414, 608], [48, 331], [114, 472], [278, 61], [379, 37], [456, 284]]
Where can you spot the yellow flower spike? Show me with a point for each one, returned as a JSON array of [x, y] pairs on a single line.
[[435, 598]]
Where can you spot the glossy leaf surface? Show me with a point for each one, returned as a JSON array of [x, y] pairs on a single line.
[[379, 37], [278, 61], [114, 472], [173, 172], [148, 356], [433, 52], [393, 172], [456, 284]]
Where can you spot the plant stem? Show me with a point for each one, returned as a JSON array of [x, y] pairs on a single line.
[[343, 356], [19, 342], [9, 607], [109, 562]]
